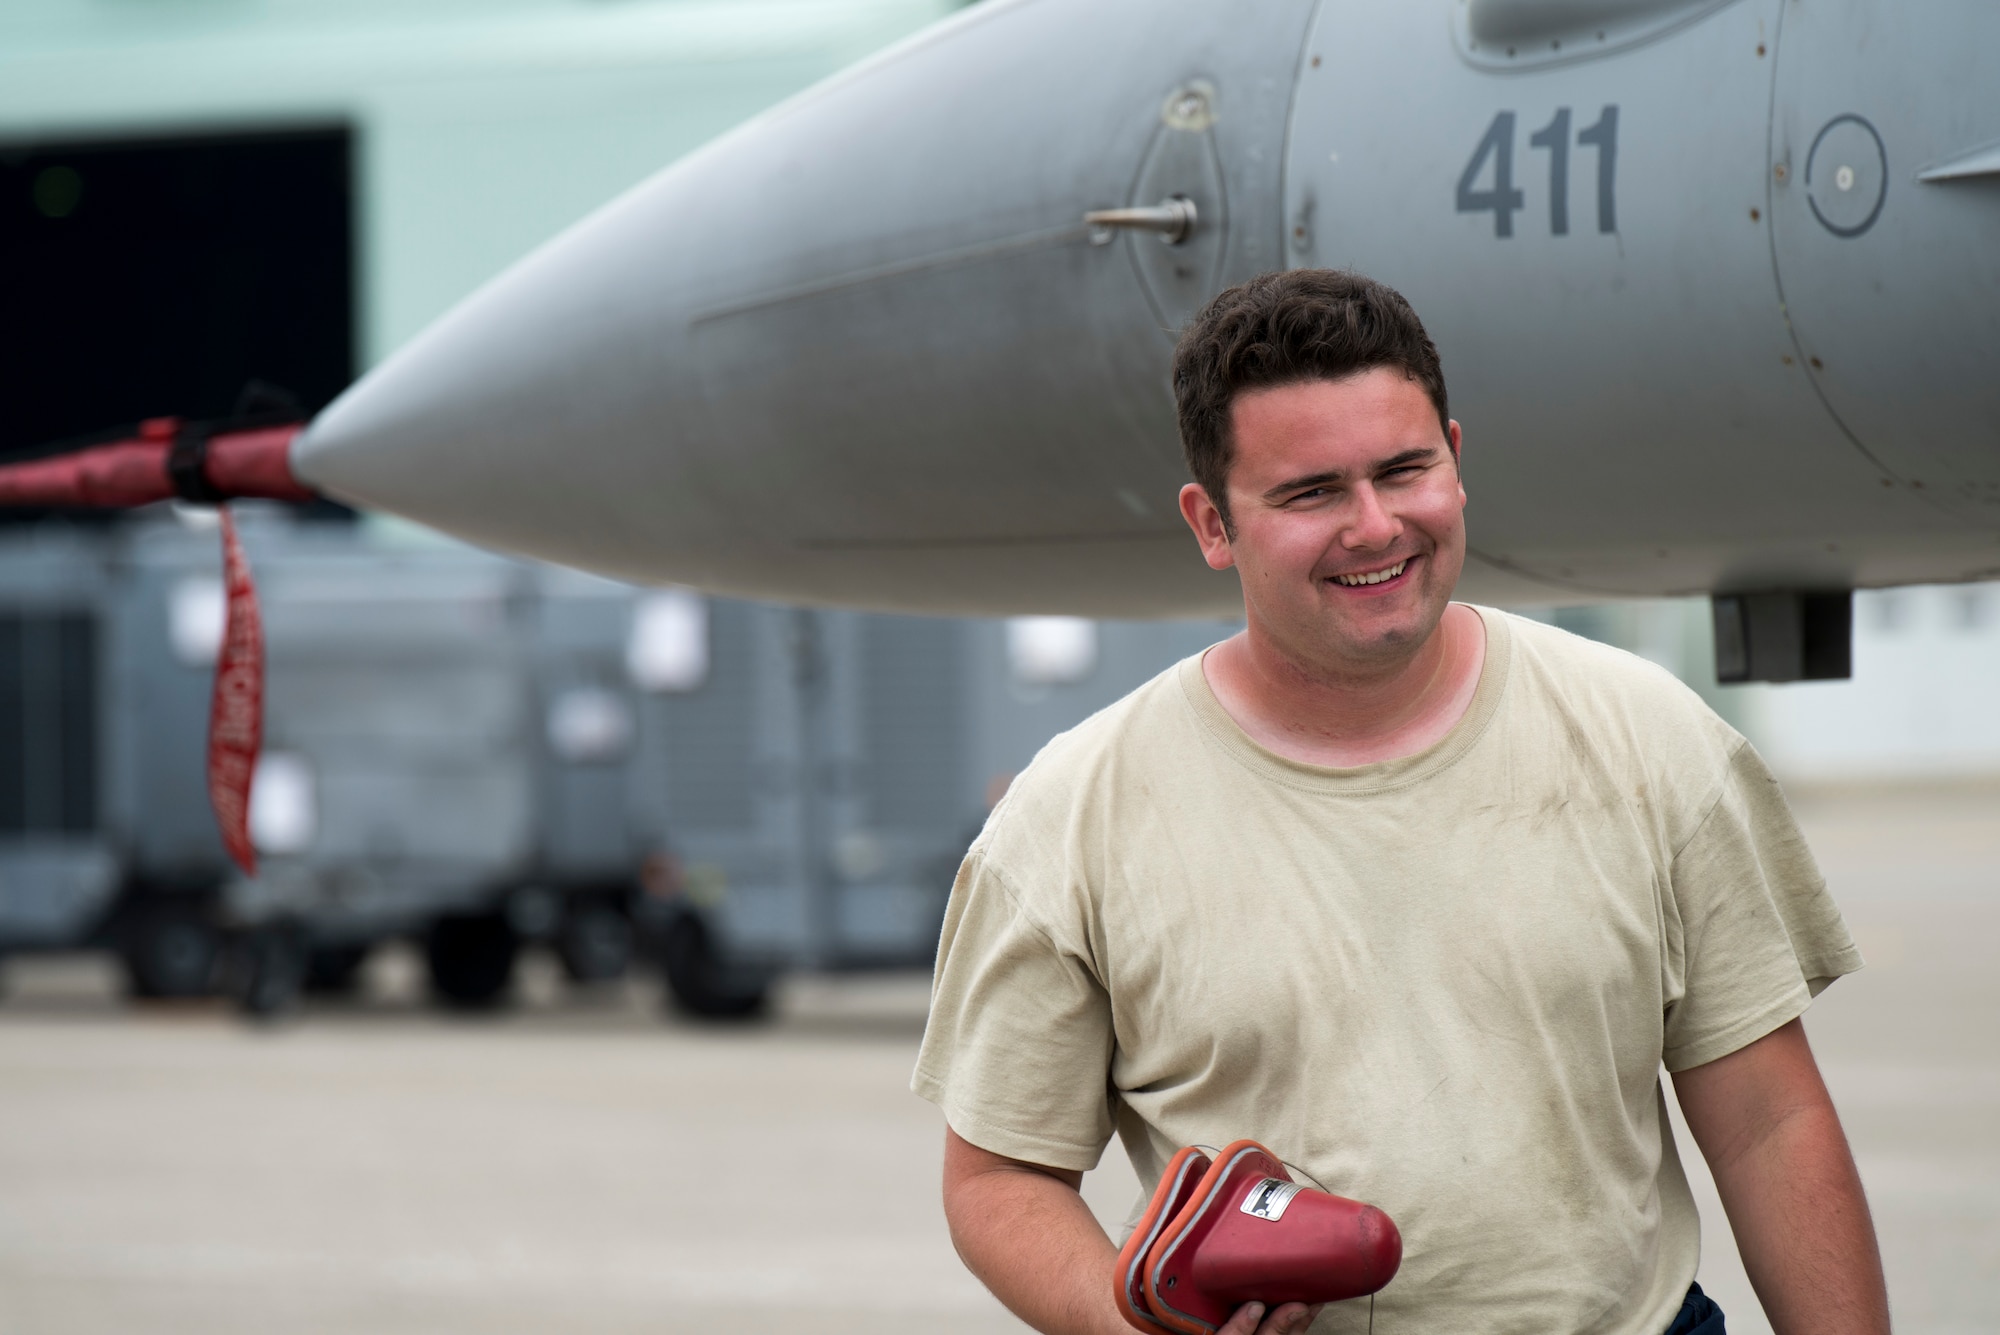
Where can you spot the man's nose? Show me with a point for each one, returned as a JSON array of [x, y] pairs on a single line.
[[1369, 525]]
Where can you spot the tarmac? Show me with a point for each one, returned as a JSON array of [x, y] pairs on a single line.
[[583, 1163]]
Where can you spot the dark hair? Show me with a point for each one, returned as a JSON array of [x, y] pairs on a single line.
[[1281, 329]]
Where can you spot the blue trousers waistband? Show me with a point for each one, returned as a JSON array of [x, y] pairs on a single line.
[[1699, 1315]]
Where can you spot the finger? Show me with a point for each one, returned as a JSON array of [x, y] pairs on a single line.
[[1287, 1319], [1243, 1321]]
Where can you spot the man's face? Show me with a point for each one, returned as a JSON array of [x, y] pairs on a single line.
[[1348, 516]]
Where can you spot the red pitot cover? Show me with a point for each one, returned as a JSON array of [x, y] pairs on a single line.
[[241, 459], [236, 711]]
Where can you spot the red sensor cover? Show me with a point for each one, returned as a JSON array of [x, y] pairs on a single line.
[[1245, 1232], [1177, 1185]]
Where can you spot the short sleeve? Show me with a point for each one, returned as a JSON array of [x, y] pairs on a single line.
[[1758, 935], [1018, 1049]]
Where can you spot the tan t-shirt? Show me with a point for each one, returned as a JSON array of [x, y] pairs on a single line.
[[1443, 984]]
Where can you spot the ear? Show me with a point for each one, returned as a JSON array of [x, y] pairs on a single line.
[[1458, 457], [1209, 530]]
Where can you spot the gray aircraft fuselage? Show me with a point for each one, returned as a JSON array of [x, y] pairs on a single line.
[[1716, 286]]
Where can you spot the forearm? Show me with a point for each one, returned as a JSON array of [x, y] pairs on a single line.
[[1787, 1179], [1029, 1237], [1802, 1226]]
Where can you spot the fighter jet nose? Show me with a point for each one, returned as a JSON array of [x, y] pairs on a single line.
[[867, 349], [551, 413]]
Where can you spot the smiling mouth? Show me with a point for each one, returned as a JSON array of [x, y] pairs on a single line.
[[1381, 576]]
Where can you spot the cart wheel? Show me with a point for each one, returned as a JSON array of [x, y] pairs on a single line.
[[472, 959], [704, 985], [172, 951]]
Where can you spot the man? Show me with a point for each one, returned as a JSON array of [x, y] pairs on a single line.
[[1419, 895]]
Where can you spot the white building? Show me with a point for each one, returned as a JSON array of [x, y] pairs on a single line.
[[1924, 701]]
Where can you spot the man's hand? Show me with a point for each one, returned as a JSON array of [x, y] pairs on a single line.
[[1289, 1319], [1026, 1233], [1769, 1132]]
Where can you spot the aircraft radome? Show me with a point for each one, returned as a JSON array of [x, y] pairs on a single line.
[[1715, 283]]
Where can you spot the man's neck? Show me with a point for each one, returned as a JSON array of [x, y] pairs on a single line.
[[1343, 719]]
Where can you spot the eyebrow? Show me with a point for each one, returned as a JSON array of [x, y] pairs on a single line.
[[1409, 456]]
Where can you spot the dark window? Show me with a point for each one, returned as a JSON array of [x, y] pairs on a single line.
[[156, 278]]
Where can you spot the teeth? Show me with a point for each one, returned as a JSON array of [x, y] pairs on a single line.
[[1355, 581]]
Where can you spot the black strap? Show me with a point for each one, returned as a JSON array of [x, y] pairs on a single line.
[[187, 466]]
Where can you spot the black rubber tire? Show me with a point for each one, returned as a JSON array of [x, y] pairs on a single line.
[[172, 951], [472, 960], [595, 943], [704, 986], [334, 971]]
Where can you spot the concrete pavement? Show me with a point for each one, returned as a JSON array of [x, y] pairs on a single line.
[[581, 1164]]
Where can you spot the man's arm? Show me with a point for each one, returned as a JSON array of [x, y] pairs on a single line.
[[1024, 1230], [1763, 1120]]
